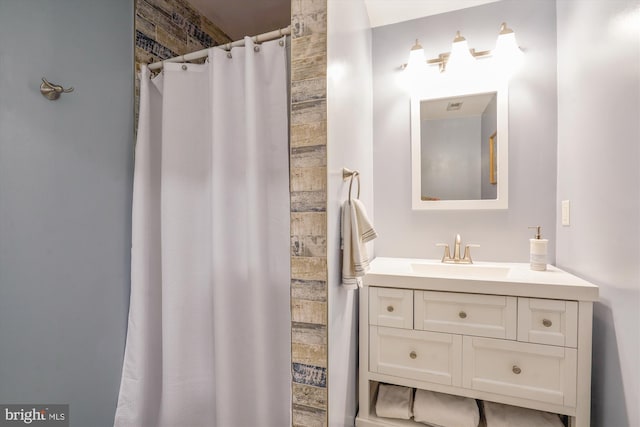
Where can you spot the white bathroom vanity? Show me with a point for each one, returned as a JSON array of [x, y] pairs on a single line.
[[497, 332]]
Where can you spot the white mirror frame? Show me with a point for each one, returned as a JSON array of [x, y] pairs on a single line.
[[455, 89]]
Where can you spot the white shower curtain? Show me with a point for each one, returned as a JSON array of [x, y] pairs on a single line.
[[208, 342]]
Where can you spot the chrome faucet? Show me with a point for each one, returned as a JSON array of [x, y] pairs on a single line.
[[466, 258]]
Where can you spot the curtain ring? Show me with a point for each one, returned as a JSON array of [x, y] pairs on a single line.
[[357, 175]]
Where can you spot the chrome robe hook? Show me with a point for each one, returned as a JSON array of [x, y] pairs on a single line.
[[52, 91]]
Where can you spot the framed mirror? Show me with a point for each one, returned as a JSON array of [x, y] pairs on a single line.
[[459, 146]]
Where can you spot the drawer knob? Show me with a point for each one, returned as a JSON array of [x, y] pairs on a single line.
[[413, 355], [462, 315], [516, 370], [547, 323], [390, 309]]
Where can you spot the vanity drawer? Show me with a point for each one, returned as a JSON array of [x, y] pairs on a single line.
[[545, 321], [391, 307], [492, 316], [419, 355], [531, 371]]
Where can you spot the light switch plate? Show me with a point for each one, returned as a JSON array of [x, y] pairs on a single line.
[[566, 213]]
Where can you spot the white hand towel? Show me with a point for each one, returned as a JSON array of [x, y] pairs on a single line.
[[356, 231], [445, 410], [499, 415], [394, 401]]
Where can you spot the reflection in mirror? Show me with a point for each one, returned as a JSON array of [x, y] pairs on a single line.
[[459, 147], [456, 135]]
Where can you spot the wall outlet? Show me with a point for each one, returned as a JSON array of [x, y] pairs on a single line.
[[566, 213]]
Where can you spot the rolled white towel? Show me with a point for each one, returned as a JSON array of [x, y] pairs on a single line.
[[394, 401], [445, 410], [499, 415]]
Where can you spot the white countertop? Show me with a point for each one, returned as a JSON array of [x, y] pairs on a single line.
[[496, 278]]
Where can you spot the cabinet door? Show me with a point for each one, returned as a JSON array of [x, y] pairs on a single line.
[[420, 355], [531, 371], [492, 316], [546, 321], [391, 307]]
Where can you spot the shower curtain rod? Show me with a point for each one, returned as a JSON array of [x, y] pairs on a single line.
[[204, 52]]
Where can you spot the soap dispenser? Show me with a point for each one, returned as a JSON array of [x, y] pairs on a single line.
[[538, 251]]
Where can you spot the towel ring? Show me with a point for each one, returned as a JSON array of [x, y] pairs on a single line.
[[349, 174], [356, 174]]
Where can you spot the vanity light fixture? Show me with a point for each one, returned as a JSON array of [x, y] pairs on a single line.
[[461, 57], [417, 60], [506, 52], [416, 70]]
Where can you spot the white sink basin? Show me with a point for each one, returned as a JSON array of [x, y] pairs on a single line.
[[497, 278], [461, 271]]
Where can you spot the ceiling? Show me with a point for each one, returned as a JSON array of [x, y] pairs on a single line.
[[470, 106], [385, 12], [239, 18], [251, 17]]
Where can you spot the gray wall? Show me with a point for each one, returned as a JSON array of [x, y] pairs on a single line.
[[503, 235], [598, 171], [450, 145], [65, 203], [349, 144]]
